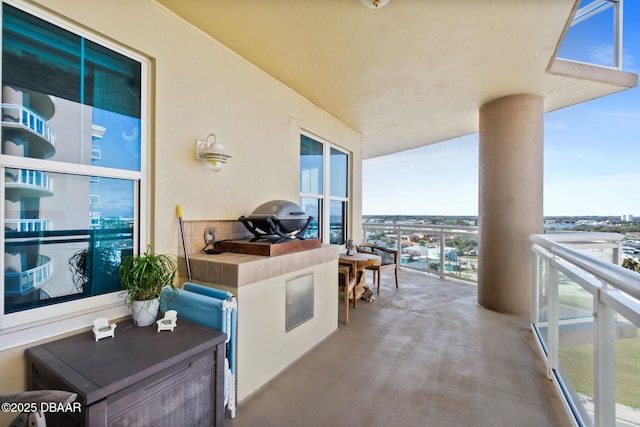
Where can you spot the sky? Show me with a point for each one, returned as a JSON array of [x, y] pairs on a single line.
[[591, 150]]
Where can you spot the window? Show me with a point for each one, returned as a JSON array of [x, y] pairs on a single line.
[[324, 194], [72, 207]]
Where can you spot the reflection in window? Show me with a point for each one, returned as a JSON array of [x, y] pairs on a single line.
[[311, 207], [311, 164], [338, 173], [73, 255], [337, 221], [66, 99]]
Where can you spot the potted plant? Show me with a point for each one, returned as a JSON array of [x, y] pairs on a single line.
[[143, 278]]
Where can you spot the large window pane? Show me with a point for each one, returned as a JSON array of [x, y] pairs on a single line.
[[310, 166], [66, 98], [311, 207], [338, 173], [328, 202], [58, 245], [337, 224]]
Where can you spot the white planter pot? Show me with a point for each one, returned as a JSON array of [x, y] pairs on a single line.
[[144, 313]]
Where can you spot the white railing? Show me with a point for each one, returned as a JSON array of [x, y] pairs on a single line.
[[32, 178], [439, 255], [595, 7], [22, 281], [26, 225], [583, 308], [29, 120]]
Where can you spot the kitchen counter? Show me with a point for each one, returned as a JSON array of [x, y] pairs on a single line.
[[233, 270]]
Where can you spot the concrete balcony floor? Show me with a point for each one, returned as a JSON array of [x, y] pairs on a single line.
[[423, 355]]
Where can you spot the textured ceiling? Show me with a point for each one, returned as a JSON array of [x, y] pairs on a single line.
[[412, 73]]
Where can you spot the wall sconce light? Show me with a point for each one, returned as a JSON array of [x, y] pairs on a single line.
[[374, 4], [212, 152]]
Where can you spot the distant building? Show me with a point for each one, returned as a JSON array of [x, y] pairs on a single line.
[[627, 218]]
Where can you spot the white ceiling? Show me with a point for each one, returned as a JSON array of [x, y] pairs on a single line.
[[412, 73]]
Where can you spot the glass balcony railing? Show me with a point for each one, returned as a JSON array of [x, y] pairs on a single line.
[[445, 250], [586, 316]]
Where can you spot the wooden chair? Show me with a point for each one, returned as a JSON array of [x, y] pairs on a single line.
[[389, 259], [347, 284]]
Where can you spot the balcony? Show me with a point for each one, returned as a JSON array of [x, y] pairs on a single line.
[[585, 317], [428, 354], [20, 282], [31, 183], [32, 127], [423, 355]]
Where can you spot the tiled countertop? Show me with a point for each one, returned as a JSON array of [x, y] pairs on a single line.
[[235, 270]]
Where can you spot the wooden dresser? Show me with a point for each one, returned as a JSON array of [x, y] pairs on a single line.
[[139, 378]]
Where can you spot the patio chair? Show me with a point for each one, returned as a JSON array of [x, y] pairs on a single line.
[[347, 284], [389, 258]]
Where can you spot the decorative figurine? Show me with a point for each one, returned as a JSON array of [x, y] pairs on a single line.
[[349, 246], [102, 328], [168, 322]]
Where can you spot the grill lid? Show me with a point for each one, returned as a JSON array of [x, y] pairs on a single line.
[[281, 209], [277, 219]]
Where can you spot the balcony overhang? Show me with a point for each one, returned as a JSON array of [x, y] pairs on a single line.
[[414, 72]]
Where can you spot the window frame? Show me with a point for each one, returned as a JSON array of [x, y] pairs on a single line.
[[22, 327], [325, 198]]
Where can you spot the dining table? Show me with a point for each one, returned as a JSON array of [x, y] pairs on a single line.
[[360, 261]]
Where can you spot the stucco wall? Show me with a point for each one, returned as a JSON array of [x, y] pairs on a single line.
[[198, 87], [201, 87]]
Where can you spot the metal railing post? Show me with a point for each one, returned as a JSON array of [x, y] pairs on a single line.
[[554, 331], [617, 254], [535, 301], [617, 34], [442, 253], [604, 359]]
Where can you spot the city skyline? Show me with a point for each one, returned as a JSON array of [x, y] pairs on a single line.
[[590, 149]]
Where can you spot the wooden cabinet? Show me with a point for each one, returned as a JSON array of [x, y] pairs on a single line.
[[139, 378]]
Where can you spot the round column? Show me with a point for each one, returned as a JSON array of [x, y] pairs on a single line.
[[510, 199]]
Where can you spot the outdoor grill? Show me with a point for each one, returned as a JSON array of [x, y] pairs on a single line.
[[277, 220]]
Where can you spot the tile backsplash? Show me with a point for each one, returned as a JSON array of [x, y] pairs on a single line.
[[194, 233]]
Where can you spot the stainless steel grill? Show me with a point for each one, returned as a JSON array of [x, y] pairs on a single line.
[[277, 220]]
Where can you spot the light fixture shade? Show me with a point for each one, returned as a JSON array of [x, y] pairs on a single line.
[[212, 152], [374, 4]]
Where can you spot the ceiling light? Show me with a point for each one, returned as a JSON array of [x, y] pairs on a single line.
[[374, 4]]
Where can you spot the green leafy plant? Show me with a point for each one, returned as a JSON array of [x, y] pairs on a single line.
[[145, 276], [631, 264]]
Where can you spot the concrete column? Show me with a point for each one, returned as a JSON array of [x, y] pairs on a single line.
[[510, 199]]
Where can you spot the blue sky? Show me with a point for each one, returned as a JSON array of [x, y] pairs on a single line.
[[591, 150]]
